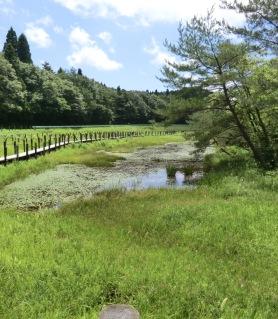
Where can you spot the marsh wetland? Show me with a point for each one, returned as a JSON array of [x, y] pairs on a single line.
[[143, 168], [73, 240]]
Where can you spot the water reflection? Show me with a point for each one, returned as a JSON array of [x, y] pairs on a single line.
[[159, 179]]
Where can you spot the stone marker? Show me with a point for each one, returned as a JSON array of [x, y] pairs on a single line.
[[119, 312]]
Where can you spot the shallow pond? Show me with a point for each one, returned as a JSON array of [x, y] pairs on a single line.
[[143, 168], [157, 179]]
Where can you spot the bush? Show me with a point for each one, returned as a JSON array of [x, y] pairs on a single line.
[[222, 162]]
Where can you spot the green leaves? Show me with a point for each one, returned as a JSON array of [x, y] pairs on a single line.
[[11, 92], [262, 22], [241, 109]]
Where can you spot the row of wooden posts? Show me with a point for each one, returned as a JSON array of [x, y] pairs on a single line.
[[44, 144]]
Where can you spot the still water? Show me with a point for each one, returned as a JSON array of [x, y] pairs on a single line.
[[158, 179]]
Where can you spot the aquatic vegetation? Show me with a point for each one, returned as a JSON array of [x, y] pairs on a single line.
[[171, 169]]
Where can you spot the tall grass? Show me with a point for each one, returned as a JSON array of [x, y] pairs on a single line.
[[209, 252], [171, 169]]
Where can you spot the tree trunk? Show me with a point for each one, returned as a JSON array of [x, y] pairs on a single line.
[[256, 153]]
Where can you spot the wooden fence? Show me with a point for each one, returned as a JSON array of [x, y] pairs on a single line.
[[37, 145]]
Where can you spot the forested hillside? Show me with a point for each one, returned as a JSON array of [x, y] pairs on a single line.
[[30, 95]]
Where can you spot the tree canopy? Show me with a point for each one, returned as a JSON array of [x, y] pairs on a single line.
[[11, 39], [237, 111], [261, 21], [32, 95], [23, 50]]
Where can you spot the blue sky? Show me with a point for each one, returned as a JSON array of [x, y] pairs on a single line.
[[116, 42]]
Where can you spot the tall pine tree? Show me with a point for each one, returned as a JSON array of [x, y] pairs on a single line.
[[11, 38], [23, 50]]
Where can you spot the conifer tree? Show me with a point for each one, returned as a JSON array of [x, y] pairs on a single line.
[[47, 67], [261, 22], [23, 50], [11, 38], [241, 109]]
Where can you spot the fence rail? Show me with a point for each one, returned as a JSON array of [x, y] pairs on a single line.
[[42, 145]]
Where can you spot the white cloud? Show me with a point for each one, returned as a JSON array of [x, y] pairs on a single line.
[[6, 9], [38, 35], [87, 52], [106, 37], [93, 56], [146, 11], [79, 37], [159, 56], [58, 30], [46, 21]]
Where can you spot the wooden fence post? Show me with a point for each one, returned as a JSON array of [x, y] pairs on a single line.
[[27, 150], [5, 152]]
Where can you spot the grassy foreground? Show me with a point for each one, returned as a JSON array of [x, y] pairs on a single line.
[[210, 252]]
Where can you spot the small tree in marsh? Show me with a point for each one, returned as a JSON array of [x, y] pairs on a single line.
[[231, 113]]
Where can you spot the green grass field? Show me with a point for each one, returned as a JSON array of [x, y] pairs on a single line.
[[209, 252]]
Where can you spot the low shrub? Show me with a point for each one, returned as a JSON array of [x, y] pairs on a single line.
[[222, 162]]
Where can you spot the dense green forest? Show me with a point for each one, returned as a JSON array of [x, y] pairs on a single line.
[[30, 95]]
